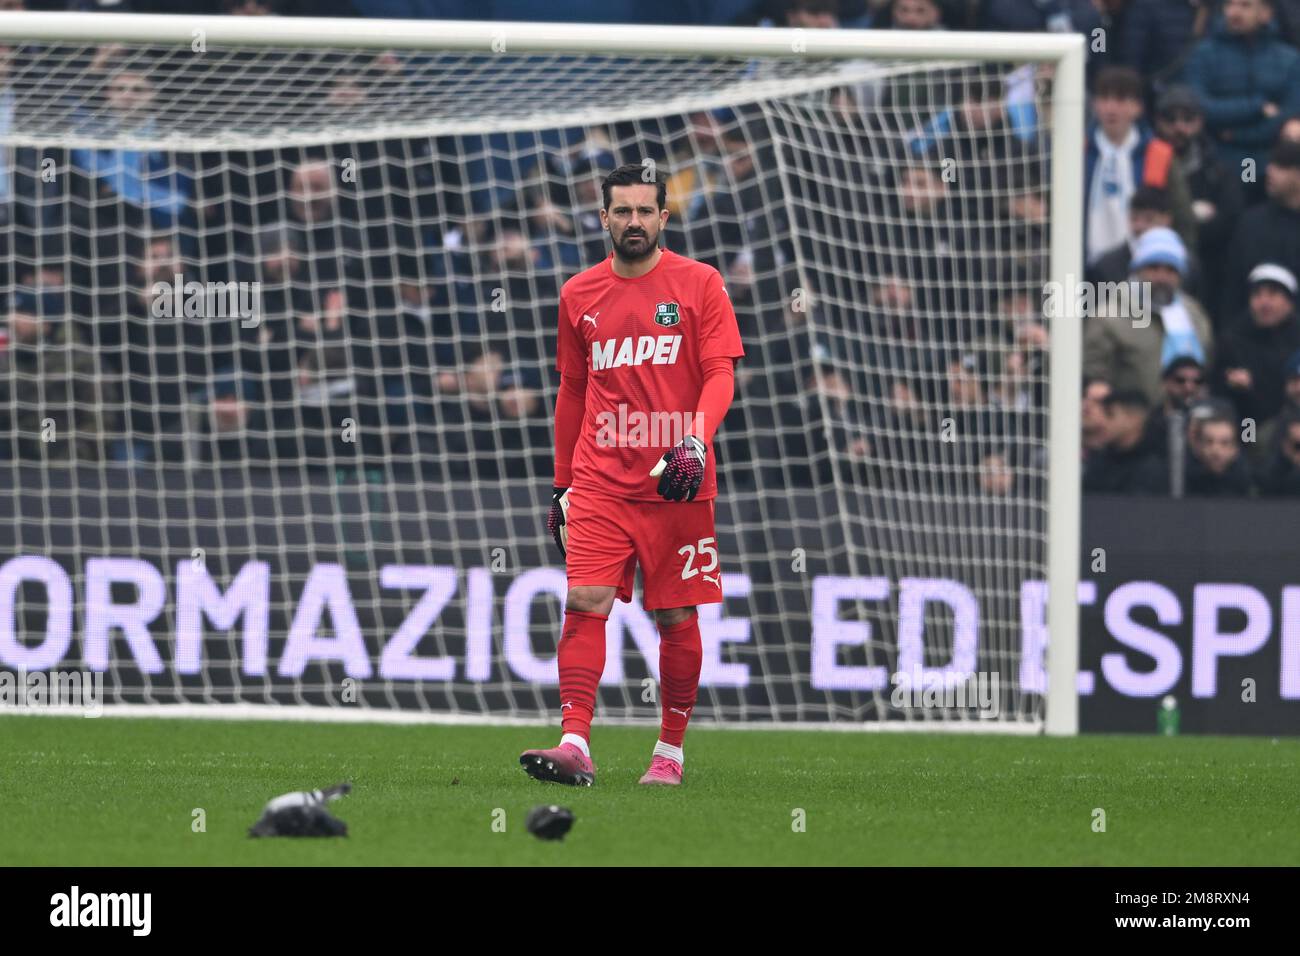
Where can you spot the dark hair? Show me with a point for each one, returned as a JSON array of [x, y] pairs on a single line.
[[1286, 153], [812, 6], [634, 174], [1198, 425], [1130, 398], [1149, 199], [1180, 363], [1285, 422], [1219, 418], [1120, 82], [983, 84]]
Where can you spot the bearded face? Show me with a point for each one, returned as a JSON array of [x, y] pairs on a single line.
[[634, 221]]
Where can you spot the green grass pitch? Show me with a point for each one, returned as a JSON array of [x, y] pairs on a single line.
[[117, 791]]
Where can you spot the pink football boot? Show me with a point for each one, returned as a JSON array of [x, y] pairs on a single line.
[[563, 764], [663, 772]]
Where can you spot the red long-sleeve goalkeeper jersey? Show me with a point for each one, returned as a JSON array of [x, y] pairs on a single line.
[[640, 344]]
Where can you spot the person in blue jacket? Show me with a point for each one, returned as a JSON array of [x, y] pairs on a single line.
[[1248, 81]]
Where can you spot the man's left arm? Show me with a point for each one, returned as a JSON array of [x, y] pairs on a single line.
[[681, 470], [716, 392]]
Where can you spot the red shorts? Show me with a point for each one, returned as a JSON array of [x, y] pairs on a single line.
[[673, 541]]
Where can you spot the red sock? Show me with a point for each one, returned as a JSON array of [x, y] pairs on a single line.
[[680, 653], [582, 661]]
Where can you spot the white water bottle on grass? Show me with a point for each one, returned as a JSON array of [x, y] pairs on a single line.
[[307, 798]]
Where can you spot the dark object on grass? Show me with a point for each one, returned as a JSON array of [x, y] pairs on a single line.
[[302, 814], [549, 822]]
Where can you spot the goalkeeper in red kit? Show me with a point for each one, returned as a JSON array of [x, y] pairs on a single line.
[[646, 353]]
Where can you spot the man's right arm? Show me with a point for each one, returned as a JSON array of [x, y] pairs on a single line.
[[571, 402], [570, 406]]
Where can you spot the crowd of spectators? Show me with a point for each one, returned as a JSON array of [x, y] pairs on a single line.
[[1195, 397], [406, 315]]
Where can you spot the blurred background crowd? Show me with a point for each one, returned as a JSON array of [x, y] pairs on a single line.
[[406, 315]]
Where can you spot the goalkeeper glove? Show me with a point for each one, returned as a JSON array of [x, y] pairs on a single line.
[[557, 520], [681, 470]]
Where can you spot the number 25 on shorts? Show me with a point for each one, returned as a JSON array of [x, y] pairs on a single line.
[[705, 546]]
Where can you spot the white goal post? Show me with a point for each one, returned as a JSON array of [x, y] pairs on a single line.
[[204, 529]]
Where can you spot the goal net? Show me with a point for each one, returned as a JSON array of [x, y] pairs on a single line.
[[279, 347]]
